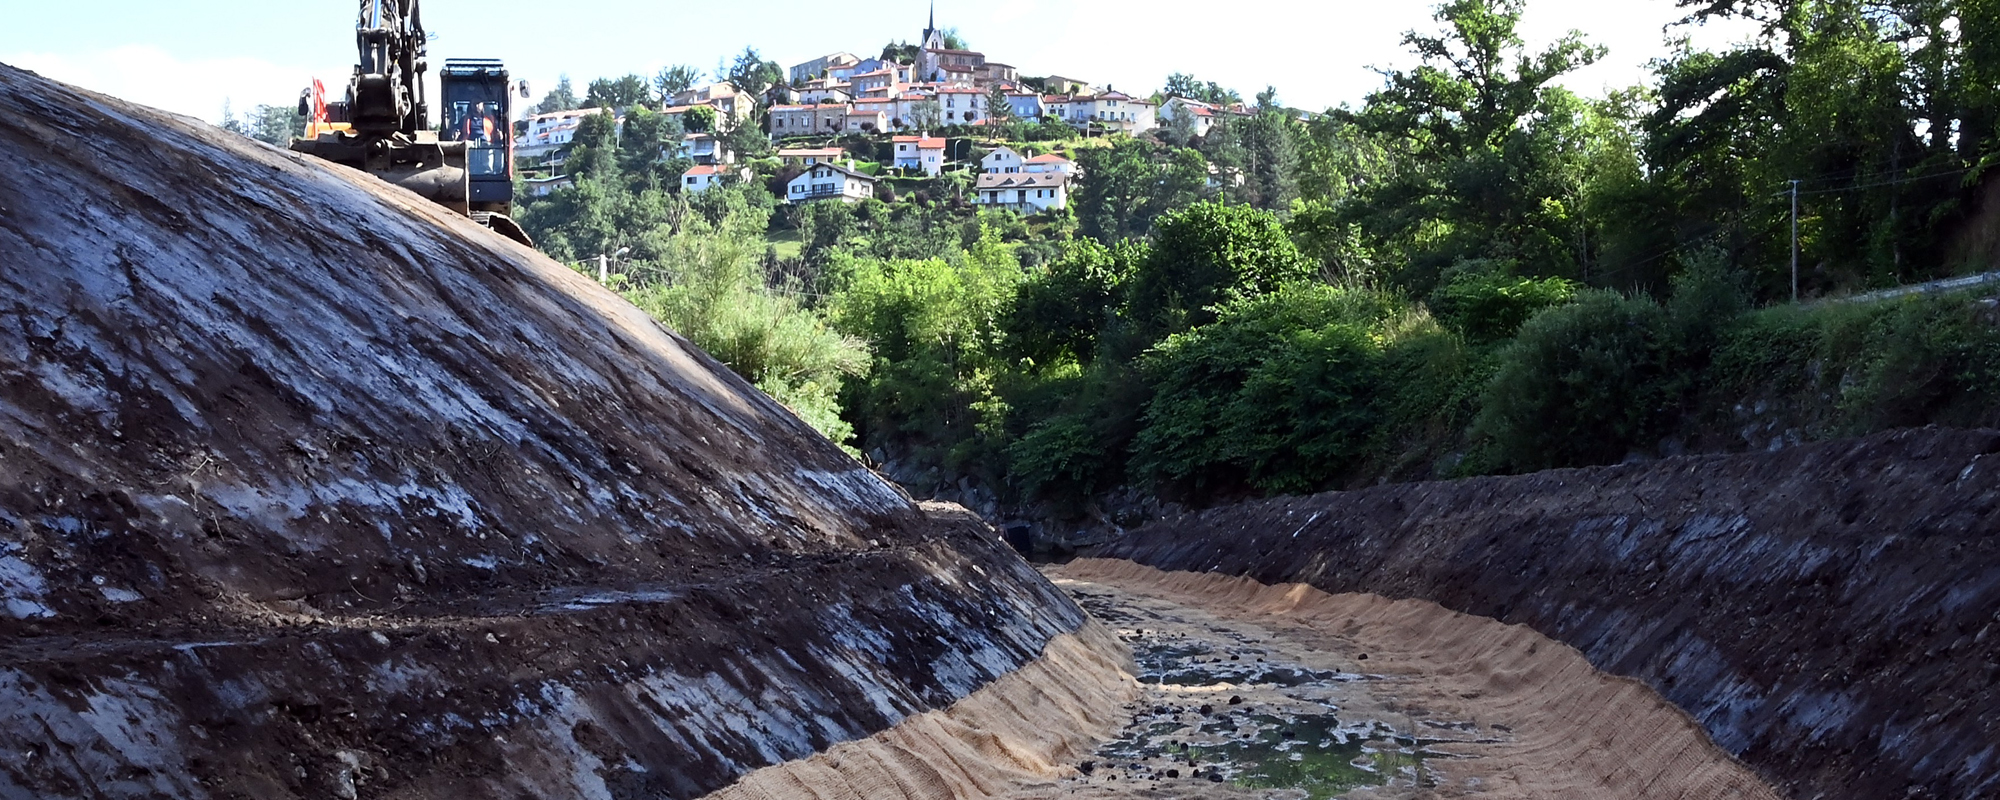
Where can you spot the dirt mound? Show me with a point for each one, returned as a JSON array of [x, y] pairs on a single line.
[[1830, 613], [311, 489]]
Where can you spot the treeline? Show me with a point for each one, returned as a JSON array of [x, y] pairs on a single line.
[[1473, 271]]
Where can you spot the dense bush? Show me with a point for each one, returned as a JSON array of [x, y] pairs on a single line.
[[709, 286], [1490, 306], [1584, 383], [1281, 392], [934, 327], [1844, 369]]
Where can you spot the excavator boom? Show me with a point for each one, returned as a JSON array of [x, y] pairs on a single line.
[[382, 125]]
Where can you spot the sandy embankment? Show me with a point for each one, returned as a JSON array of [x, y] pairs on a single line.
[[1571, 731], [1033, 724], [1542, 722]]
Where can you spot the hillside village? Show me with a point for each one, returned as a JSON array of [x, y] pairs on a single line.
[[846, 128]]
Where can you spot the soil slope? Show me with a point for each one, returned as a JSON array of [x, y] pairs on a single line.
[[311, 489], [1830, 613]]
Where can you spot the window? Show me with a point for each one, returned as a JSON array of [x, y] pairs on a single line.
[[690, 180]]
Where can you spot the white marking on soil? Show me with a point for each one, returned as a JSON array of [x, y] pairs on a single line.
[[23, 588]]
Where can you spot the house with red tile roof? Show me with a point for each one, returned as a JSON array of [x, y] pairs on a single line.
[[920, 152]]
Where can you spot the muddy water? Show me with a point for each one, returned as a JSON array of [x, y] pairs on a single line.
[[1236, 707]]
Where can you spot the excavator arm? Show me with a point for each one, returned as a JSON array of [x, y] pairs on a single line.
[[382, 127]]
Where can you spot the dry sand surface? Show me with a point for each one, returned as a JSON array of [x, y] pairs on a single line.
[[1359, 689]]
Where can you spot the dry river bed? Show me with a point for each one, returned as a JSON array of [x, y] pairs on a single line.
[[1288, 692]]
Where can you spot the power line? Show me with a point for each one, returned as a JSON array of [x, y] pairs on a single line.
[[1888, 183]]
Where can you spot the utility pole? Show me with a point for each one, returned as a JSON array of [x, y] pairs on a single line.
[[1795, 242]]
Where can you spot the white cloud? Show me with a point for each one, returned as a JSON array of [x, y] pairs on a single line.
[[152, 76]]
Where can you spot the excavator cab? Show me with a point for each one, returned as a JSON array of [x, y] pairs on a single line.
[[478, 106], [381, 125]]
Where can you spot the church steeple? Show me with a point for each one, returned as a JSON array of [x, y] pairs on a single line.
[[931, 31]]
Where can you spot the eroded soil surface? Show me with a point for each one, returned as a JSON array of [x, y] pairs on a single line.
[[1234, 708], [1294, 701]]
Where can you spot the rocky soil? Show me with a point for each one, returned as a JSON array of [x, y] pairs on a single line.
[[1828, 613], [310, 489]]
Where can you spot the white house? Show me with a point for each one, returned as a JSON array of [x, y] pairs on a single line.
[[1201, 116], [553, 131], [865, 118], [1002, 161], [961, 105], [815, 95], [880, 83], [808, 156], [702, 148], [543, 187], [702, 177], [1025, 192], [1026, 105], [830, 182], [904, 109], [1113, 111], [1049, 162], [920, 152]]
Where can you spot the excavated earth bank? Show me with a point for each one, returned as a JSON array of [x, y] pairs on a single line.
[[1830, 614], [309, 489]]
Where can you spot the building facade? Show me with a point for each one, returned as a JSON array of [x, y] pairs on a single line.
[[830, 182]]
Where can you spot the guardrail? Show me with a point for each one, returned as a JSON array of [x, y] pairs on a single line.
[[1934, 287]]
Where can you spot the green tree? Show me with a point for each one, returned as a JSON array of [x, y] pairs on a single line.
[[709, 286], [673, 80], [1488, 151], [752, 75], [1000, 115], [1060, 311], [593, 153], [1585, 383], [1205, 255], [647, 149], [699, 119], [1181, 84], [273, 125], [631, 90], [1128, 185], [561, 98]]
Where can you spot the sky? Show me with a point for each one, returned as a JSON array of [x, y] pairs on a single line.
[[193, 56]]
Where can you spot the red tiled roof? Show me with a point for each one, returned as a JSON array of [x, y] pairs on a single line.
[[1048, 158], [922, 142], [703, 169]]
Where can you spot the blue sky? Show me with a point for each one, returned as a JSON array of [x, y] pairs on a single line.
[[190, 56]]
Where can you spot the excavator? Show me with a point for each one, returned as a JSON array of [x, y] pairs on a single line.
[[382, 126]]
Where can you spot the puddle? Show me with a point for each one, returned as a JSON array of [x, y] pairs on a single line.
[[1229, 708]]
